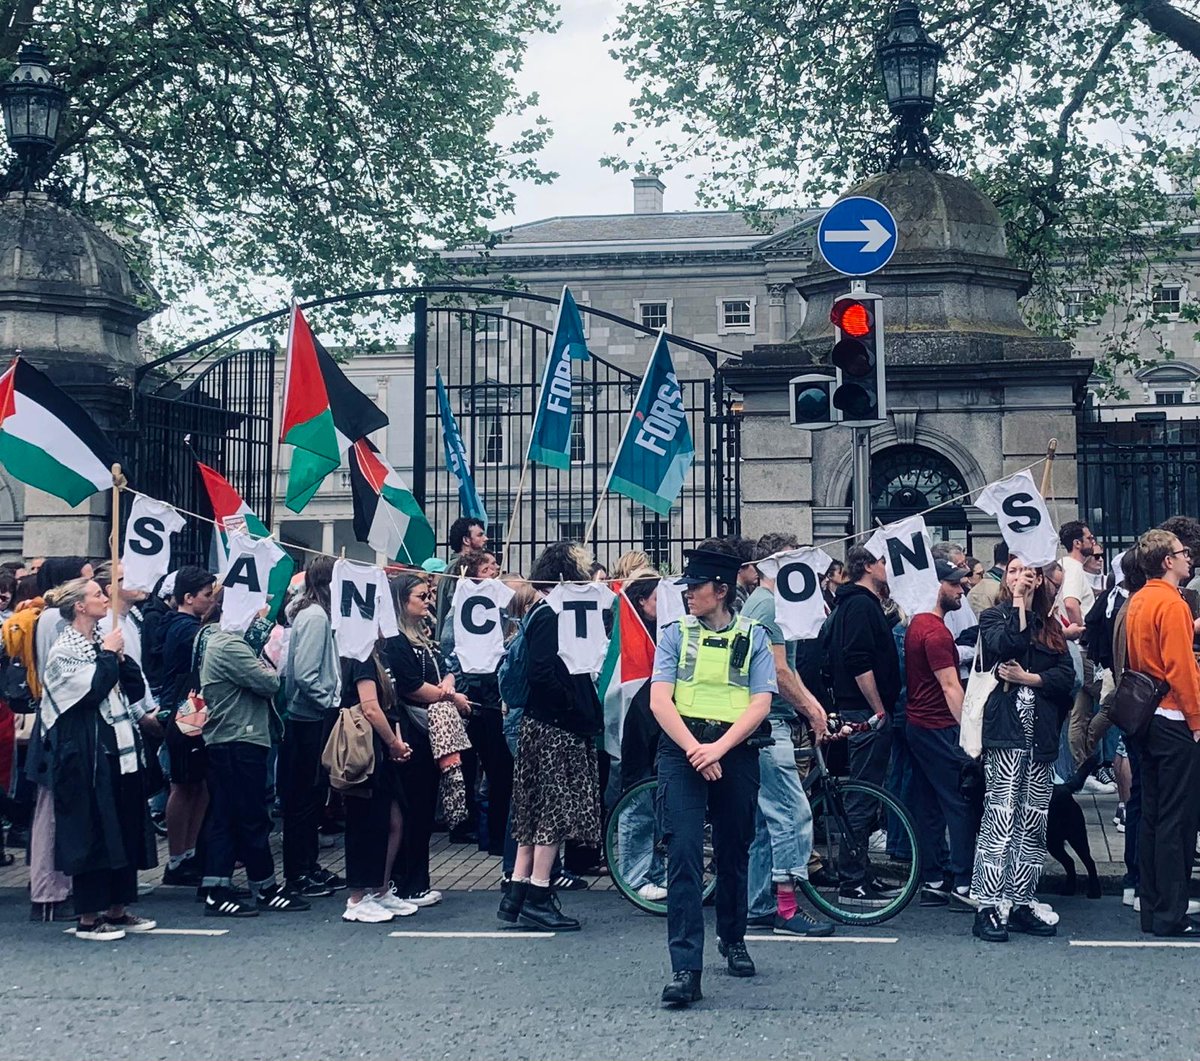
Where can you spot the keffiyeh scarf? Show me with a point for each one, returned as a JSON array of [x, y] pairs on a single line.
[[70, 669]]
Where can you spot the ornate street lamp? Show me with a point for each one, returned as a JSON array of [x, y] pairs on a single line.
[[908, 61], [33, 104]]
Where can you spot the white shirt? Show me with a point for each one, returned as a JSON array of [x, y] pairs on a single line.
[[363, 610], [582, 642], [478, 631], [250, 564], [1024, 521], [1075, 585], [147, 555]]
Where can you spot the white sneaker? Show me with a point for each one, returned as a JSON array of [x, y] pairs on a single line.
[[878, 841], [962, 895], [1044, 912], [428, 897], [652, 892], [389, 900], [1093, 786], [367, 910], [1129, 898]]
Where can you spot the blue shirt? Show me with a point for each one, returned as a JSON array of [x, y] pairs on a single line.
[[762, 662]]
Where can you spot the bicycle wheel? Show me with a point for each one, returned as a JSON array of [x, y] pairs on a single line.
[[832, 838], [635, 852]]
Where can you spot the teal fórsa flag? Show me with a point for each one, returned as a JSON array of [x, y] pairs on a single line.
[[550, 442], [656, 450], [456, 457]]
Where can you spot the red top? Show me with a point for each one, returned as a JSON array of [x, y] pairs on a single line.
[[928, 647]]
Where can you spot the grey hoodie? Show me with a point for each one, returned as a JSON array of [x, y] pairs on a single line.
[[312, 677]]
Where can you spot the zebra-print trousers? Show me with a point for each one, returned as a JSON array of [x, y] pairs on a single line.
[[1011, 847]]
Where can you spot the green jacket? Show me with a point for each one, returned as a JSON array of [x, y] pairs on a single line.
[[238, 688]]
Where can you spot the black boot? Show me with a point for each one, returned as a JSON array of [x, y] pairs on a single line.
[[737, 957], [541, 911], [513, 900], [683, 990], [988, 926], [1023, 919]]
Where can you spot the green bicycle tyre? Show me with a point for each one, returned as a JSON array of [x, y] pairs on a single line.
[[906, 877], [641, 797]]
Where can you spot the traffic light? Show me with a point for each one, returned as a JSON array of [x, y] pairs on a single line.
[[811, 401], [860, 388]]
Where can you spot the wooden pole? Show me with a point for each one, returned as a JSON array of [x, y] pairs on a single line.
[[115, 544], [587, 537], [1048, 467], [515, 515]]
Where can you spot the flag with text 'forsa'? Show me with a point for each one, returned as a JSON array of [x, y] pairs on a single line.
[[656, 450], [550, 441], [323, 412], [469, 500]]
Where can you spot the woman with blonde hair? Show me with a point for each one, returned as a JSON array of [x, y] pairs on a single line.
[[102, 822]]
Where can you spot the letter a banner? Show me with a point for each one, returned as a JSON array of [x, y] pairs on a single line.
[[656, 450], [910, 572], [550, 440], [1021, 512]]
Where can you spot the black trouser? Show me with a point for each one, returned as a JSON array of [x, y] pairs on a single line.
[[937, 762], [419, 777], [238, 822], [732, 802], [867, 756], [1170, 766], [485, 730], [368, 822], [301, 784], [96, 890]]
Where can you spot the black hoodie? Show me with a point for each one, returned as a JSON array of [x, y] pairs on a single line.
[[860, 640]]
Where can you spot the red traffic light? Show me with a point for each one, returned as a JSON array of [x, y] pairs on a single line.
[[852, 317]]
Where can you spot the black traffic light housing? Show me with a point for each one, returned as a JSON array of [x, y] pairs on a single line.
[[860, 386], [810, 399]]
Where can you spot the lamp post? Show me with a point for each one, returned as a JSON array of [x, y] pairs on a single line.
[[33, 105], [908, 61]]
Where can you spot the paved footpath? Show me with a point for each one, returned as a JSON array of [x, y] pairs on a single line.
[[451, 985]]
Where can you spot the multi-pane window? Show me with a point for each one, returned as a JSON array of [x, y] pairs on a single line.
[[736, 314], [570, 531], [1077, 303], [655, 315], [578, 440], [1168, 398], [656, 540], [491, 437], [1165, 299]]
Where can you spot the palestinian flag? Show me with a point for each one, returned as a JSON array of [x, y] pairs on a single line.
[[323, 412], [47, 440], [627, 667], [231, 513], [386, 515]]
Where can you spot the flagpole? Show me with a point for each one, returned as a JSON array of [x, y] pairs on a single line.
[[637, 401], [515, 519], [115, 544], [1048, 472]]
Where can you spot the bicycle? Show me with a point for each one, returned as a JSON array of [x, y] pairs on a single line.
[[636, 854]]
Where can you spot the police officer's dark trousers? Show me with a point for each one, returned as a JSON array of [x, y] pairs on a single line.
[[682, 798]]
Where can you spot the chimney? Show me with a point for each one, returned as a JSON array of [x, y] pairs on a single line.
[[648, 195]]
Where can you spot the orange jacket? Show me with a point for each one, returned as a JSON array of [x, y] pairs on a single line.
[[1159, 631], [20, 640]]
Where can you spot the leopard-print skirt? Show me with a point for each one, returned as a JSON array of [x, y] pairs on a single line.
[[556, 787]]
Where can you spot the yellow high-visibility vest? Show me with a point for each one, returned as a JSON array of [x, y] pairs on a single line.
[[707, 684]]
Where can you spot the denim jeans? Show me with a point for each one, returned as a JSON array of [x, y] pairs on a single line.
[[637, 834], [783, 833]]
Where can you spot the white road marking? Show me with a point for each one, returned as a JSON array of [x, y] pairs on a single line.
[[823, 939], [1128, 943], [171, 932], [472, 935]]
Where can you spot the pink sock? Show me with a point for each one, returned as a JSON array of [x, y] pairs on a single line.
[[785, 902]]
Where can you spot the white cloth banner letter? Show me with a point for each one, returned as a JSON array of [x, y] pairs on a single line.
[[799, 603], [363, 610], [910, 572], [147, 555], [1024, 521], [582, 642]]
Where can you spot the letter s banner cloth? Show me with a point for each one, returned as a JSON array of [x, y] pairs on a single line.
[[147, 555], [1024, 521], [550, 441], [799, 603], [910, 571], [656, 450]]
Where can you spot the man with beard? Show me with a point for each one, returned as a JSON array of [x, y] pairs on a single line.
[[861, 658], [935, 697]]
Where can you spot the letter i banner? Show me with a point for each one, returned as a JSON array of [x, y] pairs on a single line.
[[1024, 521], [911, 576], [550, 440], [656, 451]]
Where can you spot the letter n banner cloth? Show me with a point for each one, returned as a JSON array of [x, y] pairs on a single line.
[[910, 571], [550, 440], [1021, 512], [656, 450], [362, 606], [799, 603]]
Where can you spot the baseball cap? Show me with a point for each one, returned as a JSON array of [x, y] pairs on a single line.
[[947, 572]]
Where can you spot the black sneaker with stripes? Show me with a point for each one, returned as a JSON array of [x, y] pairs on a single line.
[[222, 902], [278, 901]]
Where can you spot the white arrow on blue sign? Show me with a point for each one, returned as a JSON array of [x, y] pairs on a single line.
[[857, 236]]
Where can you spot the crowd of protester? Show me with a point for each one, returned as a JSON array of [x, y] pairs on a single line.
[[163, 722]]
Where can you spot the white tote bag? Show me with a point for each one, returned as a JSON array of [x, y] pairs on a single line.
[[979, 687]]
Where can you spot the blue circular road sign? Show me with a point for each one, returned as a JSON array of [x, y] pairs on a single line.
[[857, 236]]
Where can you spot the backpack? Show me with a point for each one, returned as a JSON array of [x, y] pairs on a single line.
[[513, 676], [19, 685], [1097, 632], [349, 754]]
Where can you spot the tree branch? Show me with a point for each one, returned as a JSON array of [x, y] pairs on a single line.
[[1167, 20], [16, 22]]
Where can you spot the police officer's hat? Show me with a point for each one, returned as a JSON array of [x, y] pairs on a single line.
[[706, 565]]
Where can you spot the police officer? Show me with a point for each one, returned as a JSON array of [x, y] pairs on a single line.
[[711, 690]]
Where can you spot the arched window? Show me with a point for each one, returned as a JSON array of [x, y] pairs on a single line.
[[906, 480]]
